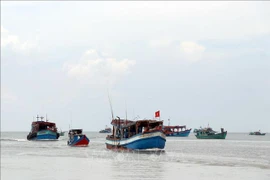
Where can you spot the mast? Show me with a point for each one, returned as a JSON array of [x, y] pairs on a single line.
[[110, 105], [126, 113], [70, 114]]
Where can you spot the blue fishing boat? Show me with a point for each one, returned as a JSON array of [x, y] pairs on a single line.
[[179, 131], [136, 135], [77, 138], [43, 130]]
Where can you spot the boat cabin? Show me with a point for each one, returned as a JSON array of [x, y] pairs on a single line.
[[125, 128], [43, 125], [75, 131]]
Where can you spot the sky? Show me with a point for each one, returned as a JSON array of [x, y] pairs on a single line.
[[199, 63]]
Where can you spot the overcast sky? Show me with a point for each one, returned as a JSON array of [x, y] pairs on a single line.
[[196, 62]]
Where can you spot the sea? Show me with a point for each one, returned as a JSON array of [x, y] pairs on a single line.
[[239, 156]]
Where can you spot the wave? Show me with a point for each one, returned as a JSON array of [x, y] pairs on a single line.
[[10, 139]]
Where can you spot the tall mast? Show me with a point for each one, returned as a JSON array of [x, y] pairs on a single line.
[[70, 114], [126, 112], [110, 105]]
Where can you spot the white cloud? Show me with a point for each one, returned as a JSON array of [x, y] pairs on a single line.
[[95, 69], [3, 30], [10, 40], [7, 96], [7, 38], [192, 51]]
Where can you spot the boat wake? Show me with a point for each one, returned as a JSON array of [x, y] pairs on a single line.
[[10, 139]]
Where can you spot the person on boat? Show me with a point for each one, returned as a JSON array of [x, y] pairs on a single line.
[[118, 133]]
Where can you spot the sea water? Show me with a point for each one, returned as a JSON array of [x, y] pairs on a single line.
[[239, 156]]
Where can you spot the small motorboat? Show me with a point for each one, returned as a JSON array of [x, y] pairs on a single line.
[[258, 133], [106, 130], [77, 138]]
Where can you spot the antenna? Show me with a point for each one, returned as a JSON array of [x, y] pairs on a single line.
[[70, 114], [126, 112], [110, 105]]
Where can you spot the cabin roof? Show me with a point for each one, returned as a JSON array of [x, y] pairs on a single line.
[[75, 130], [170, 127], [45, 123], [126, 123]]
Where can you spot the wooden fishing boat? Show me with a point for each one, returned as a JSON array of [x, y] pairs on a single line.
[[257, 133], [136, 135], [77, 138], [43, 130], [178, 131], [209, 133]]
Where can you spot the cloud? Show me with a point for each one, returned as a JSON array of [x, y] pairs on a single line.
[[12, 41], [95, 69], [191, 50], [7, 96], [7, 38], [3, 30], [184, 50]]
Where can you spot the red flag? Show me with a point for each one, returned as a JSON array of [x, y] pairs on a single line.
[[157, 114]]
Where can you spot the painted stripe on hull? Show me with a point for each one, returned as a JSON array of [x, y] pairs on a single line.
[[140, 141], [83, 141]]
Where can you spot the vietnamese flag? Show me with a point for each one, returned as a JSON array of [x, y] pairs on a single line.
[[157, 114]]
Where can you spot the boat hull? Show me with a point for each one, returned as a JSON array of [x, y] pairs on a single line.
[[255, 134], [43, 135], [149, 140], [179, 134], [79, 140], [214, 136], [104, 131]]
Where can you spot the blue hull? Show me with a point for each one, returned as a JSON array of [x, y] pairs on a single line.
[[46, 137], [180, 134], [154, 142], [43, 135]]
